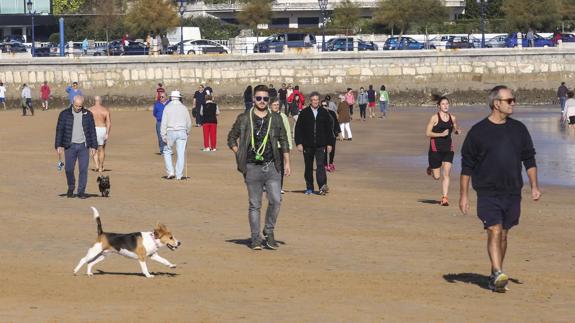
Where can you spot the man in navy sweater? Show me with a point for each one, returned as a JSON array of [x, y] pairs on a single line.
[[76, 138], [492, 154]]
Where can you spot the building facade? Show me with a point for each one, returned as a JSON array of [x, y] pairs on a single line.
[[298, 13], [15, 19]]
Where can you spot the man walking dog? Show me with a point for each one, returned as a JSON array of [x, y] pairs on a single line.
[[76, 138]]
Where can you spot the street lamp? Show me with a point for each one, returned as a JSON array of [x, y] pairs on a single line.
[[323, 9], [182, 10], [29, 6], [481, 3]]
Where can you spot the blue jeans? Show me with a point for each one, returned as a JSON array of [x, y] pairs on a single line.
[[179, 138], [562, 100], [71, 154], [383, 107], [161, 143]]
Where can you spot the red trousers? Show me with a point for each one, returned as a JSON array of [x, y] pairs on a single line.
[[210, 135]]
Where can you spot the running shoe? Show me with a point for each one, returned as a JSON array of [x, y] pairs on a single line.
[[205, 149], [171, 176], [270, 241], [256, 244], [444, 201], [308, 192], [323, 190], [498, 282]]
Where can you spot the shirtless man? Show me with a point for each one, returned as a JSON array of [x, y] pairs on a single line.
[[103, 122]]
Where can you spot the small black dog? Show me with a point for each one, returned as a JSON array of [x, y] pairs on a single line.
[[104, 185]]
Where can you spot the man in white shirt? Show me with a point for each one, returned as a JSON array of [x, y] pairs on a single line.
[[26, 100], [175, 128], [3, 95]]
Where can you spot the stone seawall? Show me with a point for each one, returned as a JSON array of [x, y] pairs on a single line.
[[411, 76]]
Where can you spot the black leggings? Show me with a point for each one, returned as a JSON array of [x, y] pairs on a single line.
[[362, 108]]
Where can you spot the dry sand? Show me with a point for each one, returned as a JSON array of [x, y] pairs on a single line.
[[372, 250]]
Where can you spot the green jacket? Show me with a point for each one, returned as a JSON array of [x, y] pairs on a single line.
[[240, 136]]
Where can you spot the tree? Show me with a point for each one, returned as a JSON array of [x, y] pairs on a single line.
[[346, 15], [213, 28], [493, 9], [254, 13], [535, 14], [151, 15], [109, 19], [401, 14], [67, 6]]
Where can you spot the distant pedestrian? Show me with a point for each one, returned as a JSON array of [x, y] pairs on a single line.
[[562, 95], [3, 94], [165, 44], [103, 122], [344, 117], [199, 102], [175, 129], [569, 114], [350, 100], [27, 100], [45, 95], [294, 107], [371, 97], [85, 47], [208, 90], [296, 92], [275, 107], [383, 101], [76, 139], [289, 90], [492, 156], [209, 113], [332, 109], [248, 98], [362, 101], [282, 93], [158, 47], [273, 92], [313, 136], [158, 111], [159, 90], [530, 38], [73, 91], [258, 140]]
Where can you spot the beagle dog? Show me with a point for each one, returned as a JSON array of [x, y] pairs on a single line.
[[137, 245]]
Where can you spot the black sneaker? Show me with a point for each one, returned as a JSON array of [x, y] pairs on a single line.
[[270, 241], [256, 244], [82, 196], [70, 194]]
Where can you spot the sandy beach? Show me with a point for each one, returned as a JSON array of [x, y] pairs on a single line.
[[376, 248]]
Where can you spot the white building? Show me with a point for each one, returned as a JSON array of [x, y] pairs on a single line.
[[298, 13]]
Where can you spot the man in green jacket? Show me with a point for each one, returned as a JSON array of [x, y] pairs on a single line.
[[258, 139]]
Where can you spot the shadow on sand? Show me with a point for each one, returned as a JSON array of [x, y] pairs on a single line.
[[246, 242], [479, 280], [424, 201], [101, 272]]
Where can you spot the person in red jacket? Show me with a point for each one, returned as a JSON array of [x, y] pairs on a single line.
[[45, 95], [301, 97]]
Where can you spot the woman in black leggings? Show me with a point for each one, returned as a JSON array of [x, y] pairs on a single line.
[[329, 165]]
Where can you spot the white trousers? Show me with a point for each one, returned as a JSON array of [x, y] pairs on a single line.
[[343, 127]]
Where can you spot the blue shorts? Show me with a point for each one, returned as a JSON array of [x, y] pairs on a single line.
[[2, 100], [499, 209]]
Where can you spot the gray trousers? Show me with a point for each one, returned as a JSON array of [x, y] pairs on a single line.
[[258, 176]]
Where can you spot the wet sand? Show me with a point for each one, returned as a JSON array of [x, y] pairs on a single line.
[[375, 248]]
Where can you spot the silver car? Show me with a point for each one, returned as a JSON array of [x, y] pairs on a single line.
[[496, 42]]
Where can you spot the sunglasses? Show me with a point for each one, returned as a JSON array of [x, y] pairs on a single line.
[[509, 100], [324, 105], [262, 98]]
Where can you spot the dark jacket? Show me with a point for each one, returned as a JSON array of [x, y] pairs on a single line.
[[336, 128], [209, 113], [241, 132], [66, 123], [314, 132]]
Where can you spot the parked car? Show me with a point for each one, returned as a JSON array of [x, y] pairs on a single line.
[[133, 48], [13, 47], [511, 41], [339, 44], [405, 43], [14, 39], [459, 42], [276, 42], [203, 46], [438, 42], [496, 42], [567, 38]]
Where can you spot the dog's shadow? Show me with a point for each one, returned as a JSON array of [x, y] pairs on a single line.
[[101, 272], [247, 242], [425, 201], [479, 280]]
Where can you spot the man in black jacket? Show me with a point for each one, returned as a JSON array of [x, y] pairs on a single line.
[[258, 139], [75, 134], [492, 154], [313, 137]]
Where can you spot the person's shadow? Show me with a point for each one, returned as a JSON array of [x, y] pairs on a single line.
[[425, 201], [101, 272], [247, 242], [479, 280]]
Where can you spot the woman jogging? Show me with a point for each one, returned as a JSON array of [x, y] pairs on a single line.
[[439, 130]]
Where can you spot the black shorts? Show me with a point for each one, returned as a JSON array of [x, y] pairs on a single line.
[[438, 157], [572, 120], [499, 209]]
